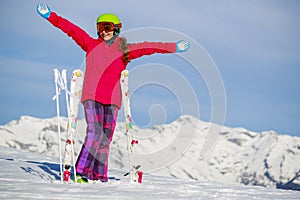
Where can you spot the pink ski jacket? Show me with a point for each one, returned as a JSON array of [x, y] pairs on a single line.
[[104, 63]]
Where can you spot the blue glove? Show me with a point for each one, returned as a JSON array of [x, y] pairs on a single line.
[[43, 10], [182, 46]]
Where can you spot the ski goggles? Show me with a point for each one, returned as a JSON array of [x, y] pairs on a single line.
[[107, 26]]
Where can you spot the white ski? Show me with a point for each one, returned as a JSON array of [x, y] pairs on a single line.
[[72, 107], [134, 172]]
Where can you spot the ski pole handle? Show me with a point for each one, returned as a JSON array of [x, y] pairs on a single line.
[[55, 75], [64, 77]]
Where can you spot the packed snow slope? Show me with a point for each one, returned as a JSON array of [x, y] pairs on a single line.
[[232, 155], [27, 175]]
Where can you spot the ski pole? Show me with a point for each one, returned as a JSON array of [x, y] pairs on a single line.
[[56, 74]]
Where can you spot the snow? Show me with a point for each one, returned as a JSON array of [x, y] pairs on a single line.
[[27, 175], [171, 158]]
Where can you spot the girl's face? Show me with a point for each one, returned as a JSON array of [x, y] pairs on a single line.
[[107, 35]]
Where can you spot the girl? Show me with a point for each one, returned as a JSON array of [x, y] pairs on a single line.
[[106, 57]]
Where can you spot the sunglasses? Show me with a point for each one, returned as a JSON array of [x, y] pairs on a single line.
[[107, 26]]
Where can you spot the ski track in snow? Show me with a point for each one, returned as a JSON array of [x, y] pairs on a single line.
[[27, 175]]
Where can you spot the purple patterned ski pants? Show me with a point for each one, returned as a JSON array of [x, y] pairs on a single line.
[[93, 158]]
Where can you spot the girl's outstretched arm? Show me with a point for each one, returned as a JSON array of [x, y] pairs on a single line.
[[72, 30], [137, 50]]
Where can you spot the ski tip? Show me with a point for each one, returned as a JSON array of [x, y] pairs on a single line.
[[125, 73], [77, 73]]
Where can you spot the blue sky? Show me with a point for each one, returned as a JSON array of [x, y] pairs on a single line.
[[253, 45]]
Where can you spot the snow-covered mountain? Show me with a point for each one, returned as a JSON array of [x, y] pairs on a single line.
[[232, 155]]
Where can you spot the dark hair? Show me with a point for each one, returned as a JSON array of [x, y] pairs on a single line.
[[123, 47]]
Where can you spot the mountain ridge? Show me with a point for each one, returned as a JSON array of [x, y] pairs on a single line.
[[237, 155]]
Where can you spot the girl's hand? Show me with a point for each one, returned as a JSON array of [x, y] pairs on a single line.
[[43, 10], [182, 46]]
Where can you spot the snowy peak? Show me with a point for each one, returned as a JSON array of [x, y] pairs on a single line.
[[233, 155]]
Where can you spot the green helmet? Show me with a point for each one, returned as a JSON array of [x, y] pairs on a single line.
[[108, 17]]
